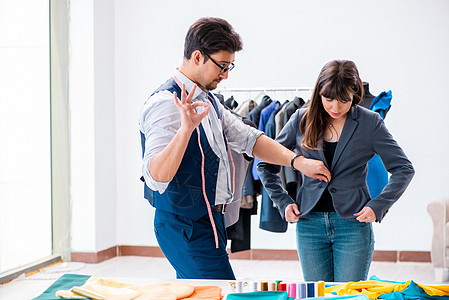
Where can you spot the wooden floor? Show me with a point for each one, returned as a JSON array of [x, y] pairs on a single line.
[[145, 270]]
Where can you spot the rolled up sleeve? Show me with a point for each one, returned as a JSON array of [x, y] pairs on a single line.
[[159, 122], [241, 137]]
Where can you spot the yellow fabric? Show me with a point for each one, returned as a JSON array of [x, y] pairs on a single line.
[[106, 288], [101, 288], [68, 294], [375, 288], [432, 290]]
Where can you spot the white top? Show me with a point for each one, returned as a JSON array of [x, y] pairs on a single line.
[[160, 120]]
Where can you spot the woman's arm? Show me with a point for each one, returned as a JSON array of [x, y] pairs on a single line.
[[396, 163]]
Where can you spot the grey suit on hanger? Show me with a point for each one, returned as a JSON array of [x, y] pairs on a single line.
[[364, 134]]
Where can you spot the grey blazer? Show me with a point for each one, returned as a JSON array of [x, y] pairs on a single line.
[[364, 134]]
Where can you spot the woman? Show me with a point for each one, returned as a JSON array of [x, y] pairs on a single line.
[[334, 232]]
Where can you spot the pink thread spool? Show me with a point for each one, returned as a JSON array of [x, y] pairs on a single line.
[[292, 290]]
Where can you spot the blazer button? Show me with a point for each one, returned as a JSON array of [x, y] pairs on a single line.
[[333, 190], [213, 189]]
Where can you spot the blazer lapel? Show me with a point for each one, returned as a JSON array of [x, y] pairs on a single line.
[[346, 134]]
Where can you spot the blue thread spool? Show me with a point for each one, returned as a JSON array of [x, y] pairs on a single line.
[[302, 290], [310, 289]]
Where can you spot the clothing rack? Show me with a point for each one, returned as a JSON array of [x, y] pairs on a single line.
[[264, 90], [280, 89]]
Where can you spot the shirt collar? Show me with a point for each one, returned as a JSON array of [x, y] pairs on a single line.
[[199, 94]]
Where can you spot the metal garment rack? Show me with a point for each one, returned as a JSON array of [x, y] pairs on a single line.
[[263, 91]]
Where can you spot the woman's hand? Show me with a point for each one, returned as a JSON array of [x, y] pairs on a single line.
[[312, 168], [292, 213], [190, 119], [366, 215]]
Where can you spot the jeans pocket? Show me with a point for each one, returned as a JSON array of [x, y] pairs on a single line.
[[185, 227], [158, 226]]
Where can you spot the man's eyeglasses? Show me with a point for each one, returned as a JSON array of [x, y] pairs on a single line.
[[223, 69]]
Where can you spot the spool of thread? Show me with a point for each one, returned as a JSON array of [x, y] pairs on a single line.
[[320, 289], [239, 286], [264, 286], [310, 289], [291, 287], [302, 290], [282, 287], [277, 284], [272, 286], [253, 286]]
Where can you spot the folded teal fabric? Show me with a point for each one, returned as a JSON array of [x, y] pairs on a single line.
[[374, 277], [264, 295], [412, 292], [65, 282]]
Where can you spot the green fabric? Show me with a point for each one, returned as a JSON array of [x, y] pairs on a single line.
[[65, 282], [265, 295]]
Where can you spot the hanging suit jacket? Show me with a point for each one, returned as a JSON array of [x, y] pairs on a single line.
[[270, 219], [264, 117], [364, 134], [250, 186], [377, 177]]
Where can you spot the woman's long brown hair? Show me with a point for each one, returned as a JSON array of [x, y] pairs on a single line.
[[337, 80]]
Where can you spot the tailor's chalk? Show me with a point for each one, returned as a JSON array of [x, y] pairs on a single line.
[[310, 289], [291, 287], [320, 289], [264, 286]]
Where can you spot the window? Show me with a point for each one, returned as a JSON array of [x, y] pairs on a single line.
[[25, 133]]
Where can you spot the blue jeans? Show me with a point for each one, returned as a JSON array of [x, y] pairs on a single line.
[[334, 249]]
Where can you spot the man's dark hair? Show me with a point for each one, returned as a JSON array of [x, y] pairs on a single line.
[[210, 35]]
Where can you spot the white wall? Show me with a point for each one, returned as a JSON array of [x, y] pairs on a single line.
[[398, 45], [92, 126]]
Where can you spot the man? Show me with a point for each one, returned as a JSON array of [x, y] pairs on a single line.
[[186, 140]]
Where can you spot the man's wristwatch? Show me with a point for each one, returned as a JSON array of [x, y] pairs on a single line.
[[293, 159]]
